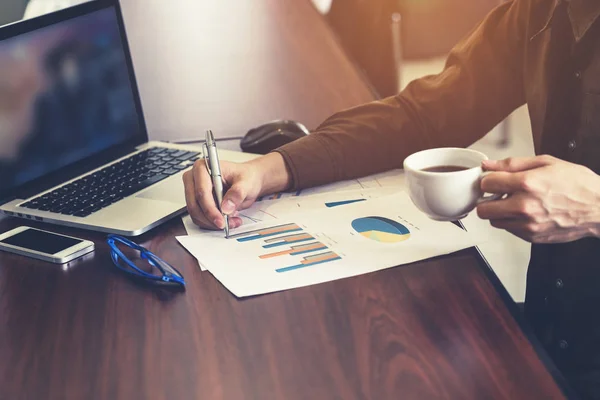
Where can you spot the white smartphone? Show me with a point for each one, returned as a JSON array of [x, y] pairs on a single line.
[[43, 245]]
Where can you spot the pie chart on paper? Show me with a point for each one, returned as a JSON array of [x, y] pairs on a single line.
[[381, 229]]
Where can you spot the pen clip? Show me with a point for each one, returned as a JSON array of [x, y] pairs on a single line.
[[205, 155]]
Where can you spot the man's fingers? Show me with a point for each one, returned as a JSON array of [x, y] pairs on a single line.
[[525, 229], [246, 203], [192, 205], [235, 222], [518, 206], [502, 182], [196, 212], [203, 190], [512, 224], [494, 210], [517, 164], [234, 198]]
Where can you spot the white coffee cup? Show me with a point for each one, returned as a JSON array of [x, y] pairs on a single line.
[[446, 196]]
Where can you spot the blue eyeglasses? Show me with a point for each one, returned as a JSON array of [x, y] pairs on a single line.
[[169, 274]]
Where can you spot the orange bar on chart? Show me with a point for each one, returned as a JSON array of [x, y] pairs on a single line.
[[265, 232], [311, 261], [291, 238], [279, 229], [286, 240]]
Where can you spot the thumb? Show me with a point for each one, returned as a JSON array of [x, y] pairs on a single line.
[[234, 198], [516, 164]]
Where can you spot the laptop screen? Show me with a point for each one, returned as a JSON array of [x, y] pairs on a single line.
[[65, 94]]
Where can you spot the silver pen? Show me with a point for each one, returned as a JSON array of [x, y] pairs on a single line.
[[211, 157]]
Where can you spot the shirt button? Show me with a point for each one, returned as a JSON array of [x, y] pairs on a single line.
[[563, 344], [559, 284], [571, 145], [578, 74], [545, 300]]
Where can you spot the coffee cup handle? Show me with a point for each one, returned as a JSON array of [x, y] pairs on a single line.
[[492, 197]]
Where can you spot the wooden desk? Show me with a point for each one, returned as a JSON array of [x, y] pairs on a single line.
[[435, 329]]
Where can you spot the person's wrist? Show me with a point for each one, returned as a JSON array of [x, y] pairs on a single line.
[[274, 174]]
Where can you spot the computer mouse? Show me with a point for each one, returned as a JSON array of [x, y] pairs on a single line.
[[268, 137]]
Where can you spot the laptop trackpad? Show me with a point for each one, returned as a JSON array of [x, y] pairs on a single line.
[[170, 190]]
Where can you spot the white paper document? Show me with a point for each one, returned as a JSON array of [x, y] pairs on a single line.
[[281, 205], [274, 210], [324, 245]]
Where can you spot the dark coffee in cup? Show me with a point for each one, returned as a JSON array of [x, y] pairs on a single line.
[[445, 168]]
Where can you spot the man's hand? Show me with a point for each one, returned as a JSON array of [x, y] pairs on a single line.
[[246, 182], [548, 200]]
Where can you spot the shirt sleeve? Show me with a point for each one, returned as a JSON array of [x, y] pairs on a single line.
[[482, 83]]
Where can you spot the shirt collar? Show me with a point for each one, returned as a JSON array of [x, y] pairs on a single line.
[[582, 14]]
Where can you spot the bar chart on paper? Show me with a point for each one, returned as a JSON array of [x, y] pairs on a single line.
[[289, 240], [330, 243]]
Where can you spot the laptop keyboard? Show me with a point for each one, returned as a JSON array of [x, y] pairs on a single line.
[[94, 192]]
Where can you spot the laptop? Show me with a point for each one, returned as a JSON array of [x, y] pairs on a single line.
[[74, 148]]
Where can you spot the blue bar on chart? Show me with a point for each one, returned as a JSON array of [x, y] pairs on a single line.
[[312, 260], [265, 232], [343, 202]]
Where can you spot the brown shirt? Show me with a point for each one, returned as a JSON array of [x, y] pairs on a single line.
[[502, 65], [545, 53]]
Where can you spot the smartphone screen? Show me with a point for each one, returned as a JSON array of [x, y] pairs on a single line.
[[41, 241]]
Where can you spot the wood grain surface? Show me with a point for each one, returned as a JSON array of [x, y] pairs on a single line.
[[432, 330]]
